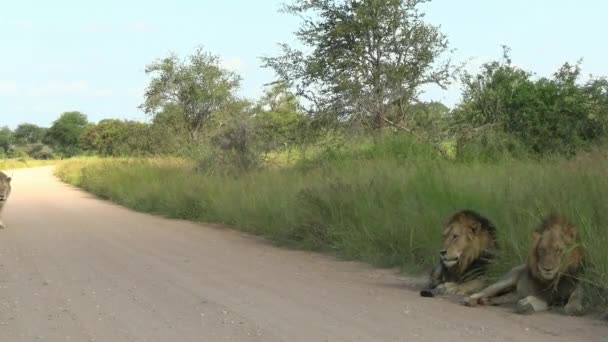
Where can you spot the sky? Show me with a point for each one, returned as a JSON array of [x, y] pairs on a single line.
[[90, 56]]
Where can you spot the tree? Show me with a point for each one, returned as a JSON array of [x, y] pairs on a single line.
[[430, 117], [199, 87], [278, 118], [26, 134], [366, 55], [40, 151], [235, 138], [88, 137], [6, 140], [169, 131], [112, 137], [547, 115], [65, 132]]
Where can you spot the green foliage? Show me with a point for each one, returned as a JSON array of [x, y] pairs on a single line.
[[169, 133], [233, 146], [547, 116], [365, 56], [429, 119], [278, 119], [199, 87], [196, 113], [26, 134], [398, 148], [64, 134], [40, 152], [25, 142], [491, 146], [6, 140], [118, 138]]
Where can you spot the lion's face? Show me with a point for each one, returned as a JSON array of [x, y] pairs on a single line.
[[554, 251], [5, 189], [462, 243]]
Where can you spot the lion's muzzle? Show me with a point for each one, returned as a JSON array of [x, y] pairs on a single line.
[[448, 261], [547, 273]]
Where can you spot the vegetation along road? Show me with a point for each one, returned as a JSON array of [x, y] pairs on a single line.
[[75, 268]]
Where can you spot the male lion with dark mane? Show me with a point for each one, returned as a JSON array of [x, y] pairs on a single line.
[[469, 243], [5, 191], [550, 276]]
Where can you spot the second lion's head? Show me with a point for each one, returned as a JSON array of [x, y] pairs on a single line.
[[555, 249]]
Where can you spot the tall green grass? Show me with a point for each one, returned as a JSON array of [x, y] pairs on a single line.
[[383, 204], [20, 163]]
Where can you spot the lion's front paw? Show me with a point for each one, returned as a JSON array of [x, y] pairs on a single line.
[[529, 305], [524, 307], [574, 309], [446, 289], [473, 300]]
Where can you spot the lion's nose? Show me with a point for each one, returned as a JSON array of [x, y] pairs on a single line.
[[443, 253]]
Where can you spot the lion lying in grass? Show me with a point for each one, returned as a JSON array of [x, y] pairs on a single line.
[[550, 276], [469, 243]]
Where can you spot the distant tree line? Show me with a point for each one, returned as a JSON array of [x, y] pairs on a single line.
[[361, 70]]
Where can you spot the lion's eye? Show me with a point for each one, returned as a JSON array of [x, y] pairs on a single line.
[[455, 236]]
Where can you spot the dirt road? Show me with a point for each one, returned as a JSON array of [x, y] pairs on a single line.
[[74, 268]]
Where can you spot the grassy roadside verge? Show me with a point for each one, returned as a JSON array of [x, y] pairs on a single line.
[[12, 164], [385, 211]]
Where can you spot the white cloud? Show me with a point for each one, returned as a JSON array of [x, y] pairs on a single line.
[[233, 64], [8, 88]]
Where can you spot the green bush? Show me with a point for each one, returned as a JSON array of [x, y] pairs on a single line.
[[40, 152], [558, 115]]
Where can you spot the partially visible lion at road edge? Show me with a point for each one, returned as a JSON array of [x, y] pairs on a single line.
[[469, 244], [5, 192], [550, 276]]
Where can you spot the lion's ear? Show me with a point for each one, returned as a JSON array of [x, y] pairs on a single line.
[[446, 229], [9, 179], [475, 227], [570, 232], [535, 238]]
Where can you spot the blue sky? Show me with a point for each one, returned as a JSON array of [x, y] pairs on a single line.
[[90, 56]]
